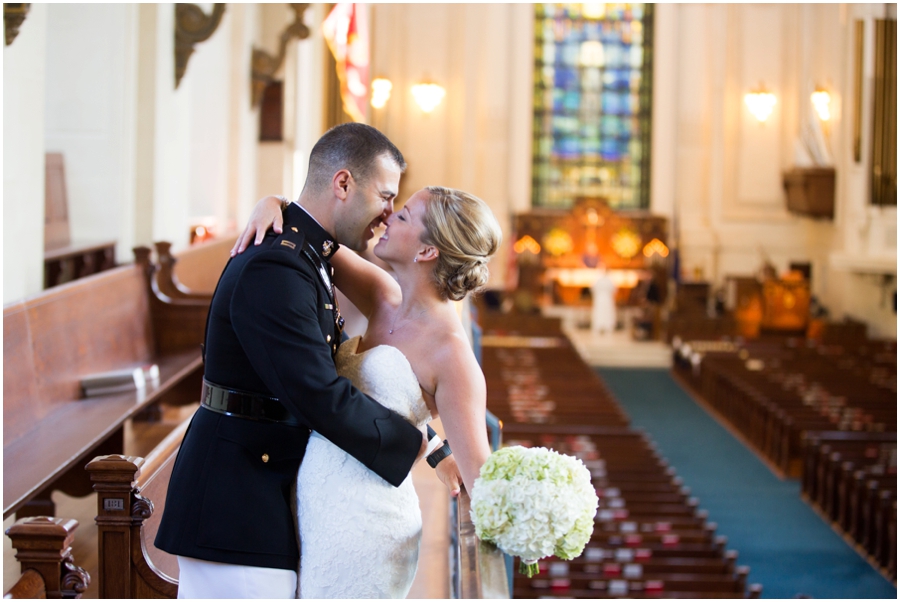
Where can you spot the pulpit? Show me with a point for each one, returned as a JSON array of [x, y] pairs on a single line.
[[774, 304]]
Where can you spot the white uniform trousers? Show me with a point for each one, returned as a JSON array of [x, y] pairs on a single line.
[[205, 579]]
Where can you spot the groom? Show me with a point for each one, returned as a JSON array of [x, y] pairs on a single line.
[[272, 332]]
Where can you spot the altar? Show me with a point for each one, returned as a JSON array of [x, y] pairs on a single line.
[[560, 254]]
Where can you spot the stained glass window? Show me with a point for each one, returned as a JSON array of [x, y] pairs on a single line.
[[592, 84]]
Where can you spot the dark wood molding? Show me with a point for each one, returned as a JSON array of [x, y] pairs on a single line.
[[264, 66], [192, 26], [13, 17], [271, 113], [859, 27]]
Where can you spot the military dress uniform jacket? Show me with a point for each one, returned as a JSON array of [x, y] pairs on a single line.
[[271, 331]]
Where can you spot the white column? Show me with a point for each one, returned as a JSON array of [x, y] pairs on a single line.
[[665, 111], [23, 158], [309, 100]]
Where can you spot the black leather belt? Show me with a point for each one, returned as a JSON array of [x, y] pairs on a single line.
[[245, 405]]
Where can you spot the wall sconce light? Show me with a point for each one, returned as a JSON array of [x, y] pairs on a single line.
[[428, 96], [381, 92], [821, 99], [760, 102]]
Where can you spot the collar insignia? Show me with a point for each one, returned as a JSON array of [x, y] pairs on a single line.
[[327, 247]]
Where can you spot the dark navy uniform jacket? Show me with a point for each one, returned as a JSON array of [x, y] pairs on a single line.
[[272, 331]]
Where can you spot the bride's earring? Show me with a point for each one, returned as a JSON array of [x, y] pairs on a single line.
[[415, 259]]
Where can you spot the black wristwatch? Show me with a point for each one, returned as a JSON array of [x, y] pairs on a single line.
[[439, 454]]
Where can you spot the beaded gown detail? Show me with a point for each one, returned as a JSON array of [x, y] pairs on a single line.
[[359, 535]]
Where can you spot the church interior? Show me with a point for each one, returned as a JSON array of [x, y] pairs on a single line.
[[696, 294]]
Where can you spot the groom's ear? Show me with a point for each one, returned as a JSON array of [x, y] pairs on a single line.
[[340, 183]]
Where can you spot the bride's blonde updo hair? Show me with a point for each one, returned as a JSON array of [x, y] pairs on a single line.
[[465, 232]]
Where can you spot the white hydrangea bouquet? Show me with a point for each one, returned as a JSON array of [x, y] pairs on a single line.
[[533, 503]]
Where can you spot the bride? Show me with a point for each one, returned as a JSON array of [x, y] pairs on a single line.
[[359, 535]]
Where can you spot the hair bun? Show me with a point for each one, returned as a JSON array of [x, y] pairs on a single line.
[[471, 276], [466, 234]]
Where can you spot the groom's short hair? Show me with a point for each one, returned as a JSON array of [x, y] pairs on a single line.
[[350, 146]]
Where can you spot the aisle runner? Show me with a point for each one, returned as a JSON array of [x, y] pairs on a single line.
[[790, 549]]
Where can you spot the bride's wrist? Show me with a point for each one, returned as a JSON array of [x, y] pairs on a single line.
[[282, 200], [435, 457]]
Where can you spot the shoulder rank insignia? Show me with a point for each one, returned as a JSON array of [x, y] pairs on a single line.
[[291, 239]]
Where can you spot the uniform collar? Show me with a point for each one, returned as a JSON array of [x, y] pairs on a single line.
[[322, 242]]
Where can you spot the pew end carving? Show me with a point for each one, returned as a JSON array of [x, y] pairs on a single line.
[[44, 549], [126, 569]]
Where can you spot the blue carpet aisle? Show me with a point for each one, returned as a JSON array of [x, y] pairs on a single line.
[[790, 550]]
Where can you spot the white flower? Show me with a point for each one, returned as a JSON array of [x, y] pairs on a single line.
[[533, 503]]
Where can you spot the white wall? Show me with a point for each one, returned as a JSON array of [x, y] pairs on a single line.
[[479, 138], [23, 158], [310, 73], [863, 265], [274, 170], [208, 80], [727, 167], [89, 116]]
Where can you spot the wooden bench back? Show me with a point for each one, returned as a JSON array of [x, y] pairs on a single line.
[[200, 266], [52, 340]]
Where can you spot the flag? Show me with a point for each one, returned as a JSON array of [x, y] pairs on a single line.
[[347, 33]]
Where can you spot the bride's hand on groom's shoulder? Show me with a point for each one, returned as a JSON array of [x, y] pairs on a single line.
[[448, 472], [266, 214]]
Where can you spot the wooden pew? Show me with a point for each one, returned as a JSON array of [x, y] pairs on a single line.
[[131, 497], [198, 267], [794, 387], [851, 479], [647, 522], [119, 318], [44, 549]]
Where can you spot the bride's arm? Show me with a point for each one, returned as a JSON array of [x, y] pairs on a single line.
[[266, 214], [461, 397], [364, 283]]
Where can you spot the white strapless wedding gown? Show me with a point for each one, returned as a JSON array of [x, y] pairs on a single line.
[[359, 535]]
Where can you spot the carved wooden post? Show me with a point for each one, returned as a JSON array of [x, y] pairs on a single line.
[[119, 509], [44, 544], [165, 274]]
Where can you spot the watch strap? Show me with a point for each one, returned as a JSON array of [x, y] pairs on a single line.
[[439, 454]]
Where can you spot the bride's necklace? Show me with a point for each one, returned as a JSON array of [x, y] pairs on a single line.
[[408, 320]]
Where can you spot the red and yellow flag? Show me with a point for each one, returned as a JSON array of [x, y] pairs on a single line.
[[347, 33]]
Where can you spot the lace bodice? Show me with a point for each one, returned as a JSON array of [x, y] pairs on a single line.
[[384, 374]]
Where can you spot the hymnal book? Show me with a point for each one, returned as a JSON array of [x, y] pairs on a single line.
[[120, 381]]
